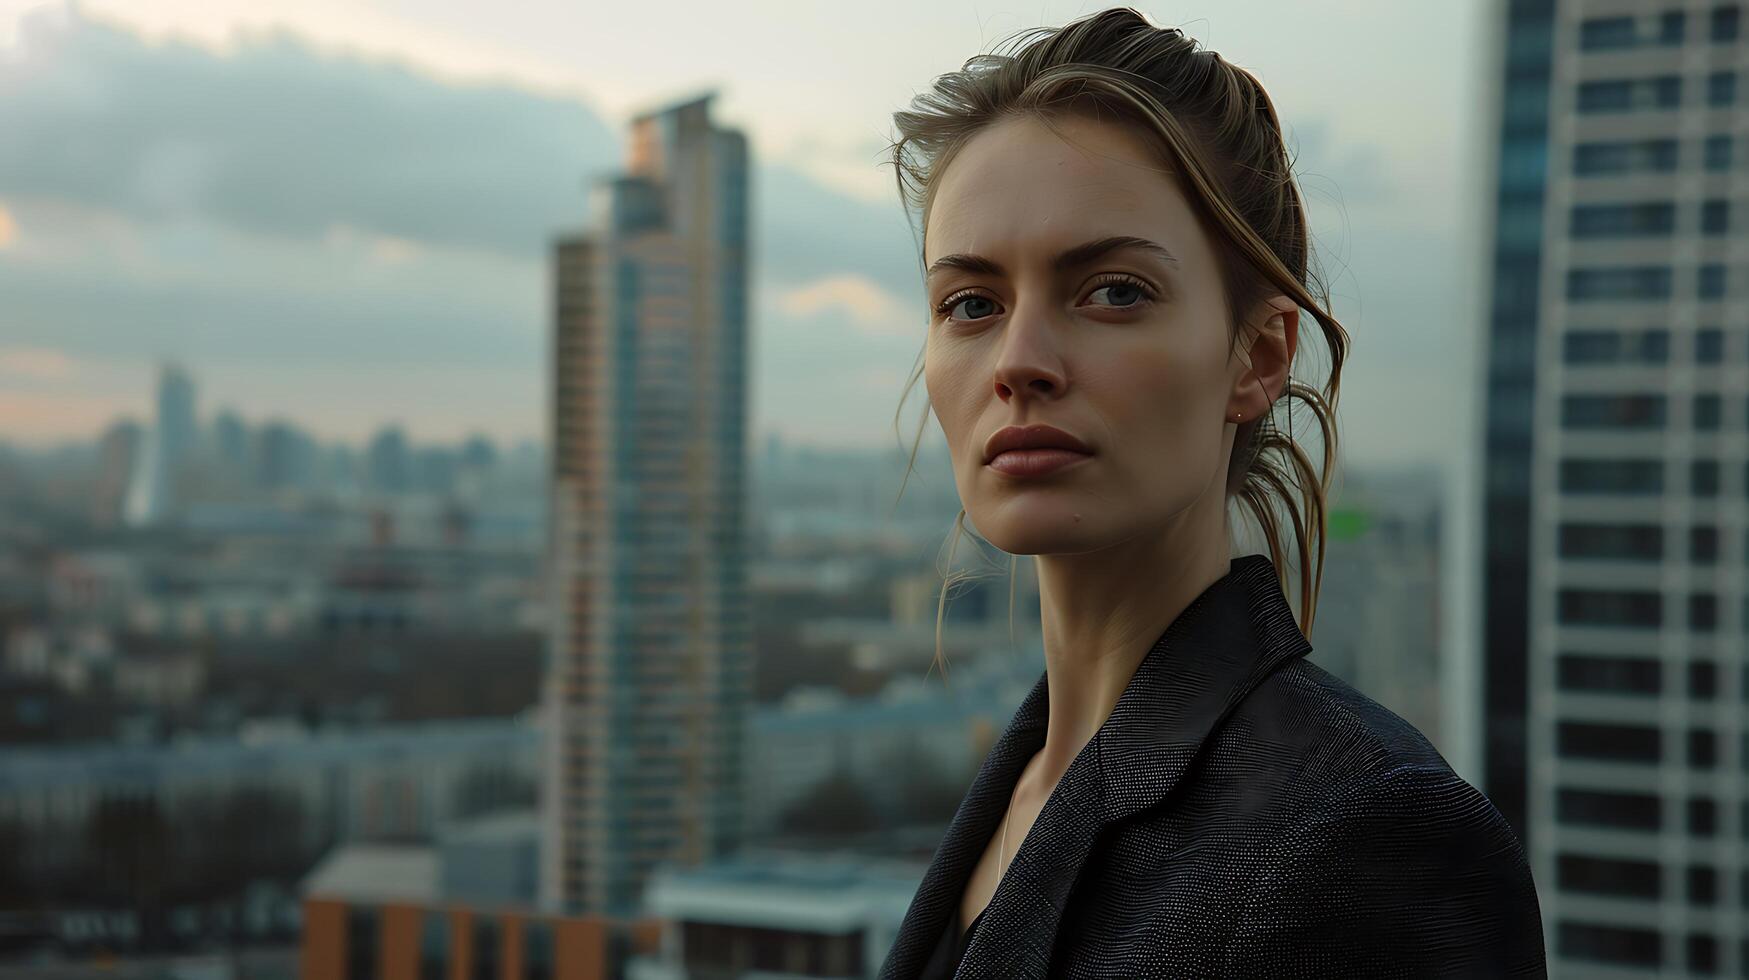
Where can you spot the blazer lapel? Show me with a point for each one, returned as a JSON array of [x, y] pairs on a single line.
[[1223, 644]]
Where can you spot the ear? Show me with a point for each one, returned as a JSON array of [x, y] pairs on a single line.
[[1274, 332]]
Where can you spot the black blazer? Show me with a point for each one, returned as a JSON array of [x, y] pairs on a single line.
[[1240, 813]]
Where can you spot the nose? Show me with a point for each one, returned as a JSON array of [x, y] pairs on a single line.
[[1028, 361]]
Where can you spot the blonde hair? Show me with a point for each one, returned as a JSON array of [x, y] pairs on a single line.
[[1215, 123]]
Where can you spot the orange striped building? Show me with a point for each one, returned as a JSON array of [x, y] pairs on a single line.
[[370, 914]]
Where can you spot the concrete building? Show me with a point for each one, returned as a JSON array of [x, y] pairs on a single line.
[[462, 908], [1614, 555], [650, 675], [794, 916]]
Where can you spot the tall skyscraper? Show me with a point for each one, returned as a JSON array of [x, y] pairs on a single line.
[[1615, 495], [649, 674], [152, 490], [117, 451]]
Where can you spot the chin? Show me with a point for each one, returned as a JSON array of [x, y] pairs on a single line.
[[1055, 529]]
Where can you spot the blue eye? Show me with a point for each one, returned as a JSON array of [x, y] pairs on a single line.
[[1124, 286], [975, 303], [947, 306], [1127, 293]]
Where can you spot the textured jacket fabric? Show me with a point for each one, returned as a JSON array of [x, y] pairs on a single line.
[[1241, 813]]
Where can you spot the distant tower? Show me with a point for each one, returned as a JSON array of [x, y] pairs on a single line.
[[389, 461], [649, 681], [116, 454], [152, 489], [230, 436]]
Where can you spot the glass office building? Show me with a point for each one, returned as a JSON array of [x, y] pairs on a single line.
[[649, 674], [1615, 552]]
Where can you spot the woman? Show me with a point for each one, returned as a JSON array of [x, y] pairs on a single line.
[[1115, 256]]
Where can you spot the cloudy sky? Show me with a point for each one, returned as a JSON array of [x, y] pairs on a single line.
[[338, 212]]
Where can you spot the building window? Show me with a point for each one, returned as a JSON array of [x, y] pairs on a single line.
[[537, 945], [1608, 33], [1703, 953], [1591, 346], [1619, 283], [1622, 95], [486, 951], [1612, 542], [1607, 876], [1608, 944], [1609, 675], [1703, 816], [1711, 281], [1721, 88], [1640, 477], [1654, 346], [1647, 219], [1715, 217], [1717, 152], [1524, 163], [1609, 608], [1704, 545], [1706, 413], [1672, 25], [1709, 346], [1703, 612], [1613, 743], [1703, 478], [1526, 109], [362, 957], [1617, 33], [1703, 680], [1612, 411], [434, 946], [1624, 156], [1597, 808], [1724, 22], [1703, 748], [1703, 885]]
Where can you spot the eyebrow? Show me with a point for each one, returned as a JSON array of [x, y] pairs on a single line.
[[1069, 258]]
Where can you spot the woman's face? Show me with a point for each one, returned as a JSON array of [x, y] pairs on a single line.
[[1124, 348]]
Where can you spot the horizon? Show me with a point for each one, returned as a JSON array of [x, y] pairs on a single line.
[[151, 210]]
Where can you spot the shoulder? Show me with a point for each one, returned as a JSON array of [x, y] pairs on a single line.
[[1343, 735], [1357, 765], [1381, 847]]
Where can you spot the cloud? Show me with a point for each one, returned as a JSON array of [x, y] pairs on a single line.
[[277, 137], [282, 219], [864, 302], [35, 362], [808, 231]]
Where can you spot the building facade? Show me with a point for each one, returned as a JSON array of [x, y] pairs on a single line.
[[1618, 397], [382, 912], [649, 668]]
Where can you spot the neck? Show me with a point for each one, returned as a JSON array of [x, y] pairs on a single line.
[[1102, 611]]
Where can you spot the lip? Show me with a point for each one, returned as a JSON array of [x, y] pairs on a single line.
[[1035, 462], [1032, 437]]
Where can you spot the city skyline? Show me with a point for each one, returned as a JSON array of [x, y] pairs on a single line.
[[366, 294]]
